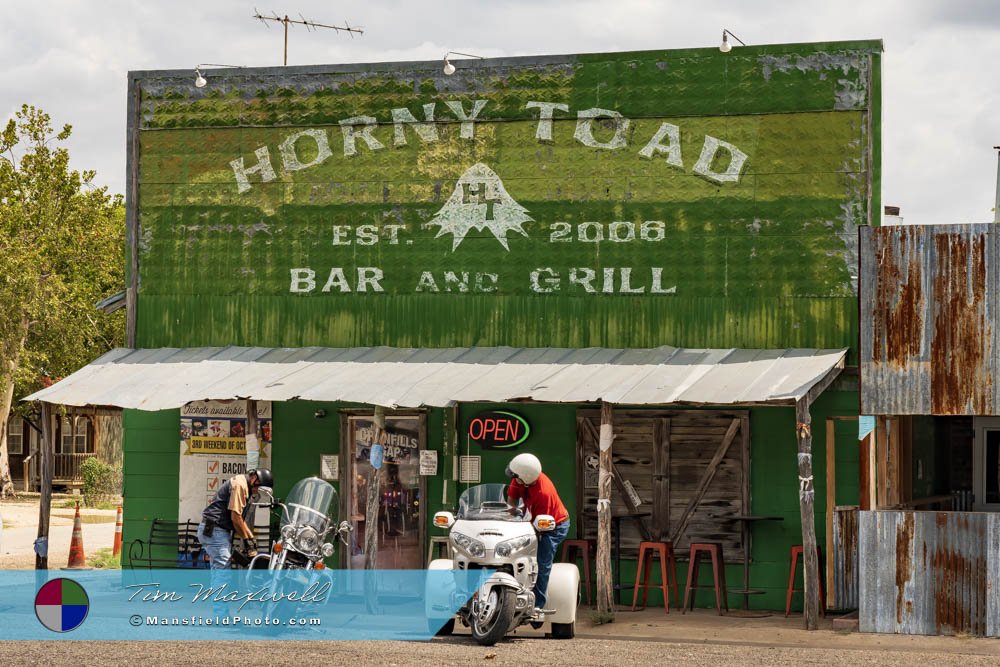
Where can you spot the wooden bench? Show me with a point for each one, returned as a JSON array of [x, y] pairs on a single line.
[[175, 545]]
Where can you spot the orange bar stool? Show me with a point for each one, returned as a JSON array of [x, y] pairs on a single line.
[[584, 547], [668, 573], [714, 551], [794, 554]]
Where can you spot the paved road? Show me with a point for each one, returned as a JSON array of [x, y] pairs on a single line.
[[460, 651]]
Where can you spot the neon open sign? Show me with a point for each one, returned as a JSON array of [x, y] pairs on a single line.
[[498, 429]]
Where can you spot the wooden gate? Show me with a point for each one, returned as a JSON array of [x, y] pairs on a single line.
[[689, 470]]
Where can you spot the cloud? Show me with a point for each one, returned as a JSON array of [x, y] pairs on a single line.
[[71, 59], [976, 13]]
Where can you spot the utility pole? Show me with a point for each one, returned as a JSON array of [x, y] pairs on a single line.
[[310, 25]]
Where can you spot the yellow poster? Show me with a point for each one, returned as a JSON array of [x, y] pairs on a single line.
[[209, 445]]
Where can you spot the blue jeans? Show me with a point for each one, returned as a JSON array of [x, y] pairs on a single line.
[[548, 542], [218, 546]]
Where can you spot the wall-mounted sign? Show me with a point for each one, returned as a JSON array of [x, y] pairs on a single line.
[[498, 429], [329, 466], [470, 469], [214, 446], [428, 462]]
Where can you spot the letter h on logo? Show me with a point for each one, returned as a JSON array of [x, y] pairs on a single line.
[[479, 191]]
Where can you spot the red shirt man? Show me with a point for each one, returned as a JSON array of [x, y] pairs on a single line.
[[539, 498], [538, 492]]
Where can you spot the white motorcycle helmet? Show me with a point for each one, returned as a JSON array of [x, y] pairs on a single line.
[[525, 466]]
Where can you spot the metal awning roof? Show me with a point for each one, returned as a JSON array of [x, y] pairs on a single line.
[[160, 379]]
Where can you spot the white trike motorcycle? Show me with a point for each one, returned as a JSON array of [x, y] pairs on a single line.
[[486, 536]]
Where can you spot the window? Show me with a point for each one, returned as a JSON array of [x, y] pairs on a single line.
[[15, 436], [986, 464], [75, 441], [992, 468]]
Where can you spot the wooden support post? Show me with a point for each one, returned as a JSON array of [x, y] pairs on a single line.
[[252, 436], [47, 450], [807, 499], [904, 450], [807, 504], [605, 589], [865, 473], [882, 463], [895, 496], [449, 446], [831, 503], [374, 495]]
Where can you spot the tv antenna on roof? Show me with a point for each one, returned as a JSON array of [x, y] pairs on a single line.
[[310, 25]]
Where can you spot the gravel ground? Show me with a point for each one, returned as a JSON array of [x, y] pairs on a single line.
[[700, 639], [459, 651]]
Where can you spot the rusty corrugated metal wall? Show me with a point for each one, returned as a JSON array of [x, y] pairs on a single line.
[[844, 594], [928, 306], [929, 573]]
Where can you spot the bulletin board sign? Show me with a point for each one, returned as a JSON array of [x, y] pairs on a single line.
[[213, 448]]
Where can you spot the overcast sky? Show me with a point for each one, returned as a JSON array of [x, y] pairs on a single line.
[[941, 98]]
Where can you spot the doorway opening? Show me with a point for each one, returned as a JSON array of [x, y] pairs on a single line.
[[400, 522]]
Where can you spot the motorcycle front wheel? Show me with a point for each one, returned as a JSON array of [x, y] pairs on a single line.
[[491, 625]]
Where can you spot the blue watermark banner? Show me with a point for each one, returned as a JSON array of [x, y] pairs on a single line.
[[229, 604]]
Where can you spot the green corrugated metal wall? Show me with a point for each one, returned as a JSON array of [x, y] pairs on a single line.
[[765, 261]]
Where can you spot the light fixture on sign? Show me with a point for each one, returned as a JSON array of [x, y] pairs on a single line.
[[726, 47], [199, 79], [449, 69]]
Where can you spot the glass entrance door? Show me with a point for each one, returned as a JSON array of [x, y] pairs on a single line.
[[399, 521]]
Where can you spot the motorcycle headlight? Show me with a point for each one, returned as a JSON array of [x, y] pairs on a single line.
[[327, 550], [307, 540], [508, 547], [288, 531], [475, 548]]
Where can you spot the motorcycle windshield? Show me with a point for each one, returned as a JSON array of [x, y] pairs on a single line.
[[485, 502], [311, 502]]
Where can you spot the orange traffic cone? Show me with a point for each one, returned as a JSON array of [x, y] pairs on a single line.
[[118, 534], [77, 559]]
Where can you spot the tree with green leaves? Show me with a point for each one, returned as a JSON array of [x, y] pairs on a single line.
[[61, 250]]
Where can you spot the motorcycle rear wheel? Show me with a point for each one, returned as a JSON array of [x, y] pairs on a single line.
[[488, 631]]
